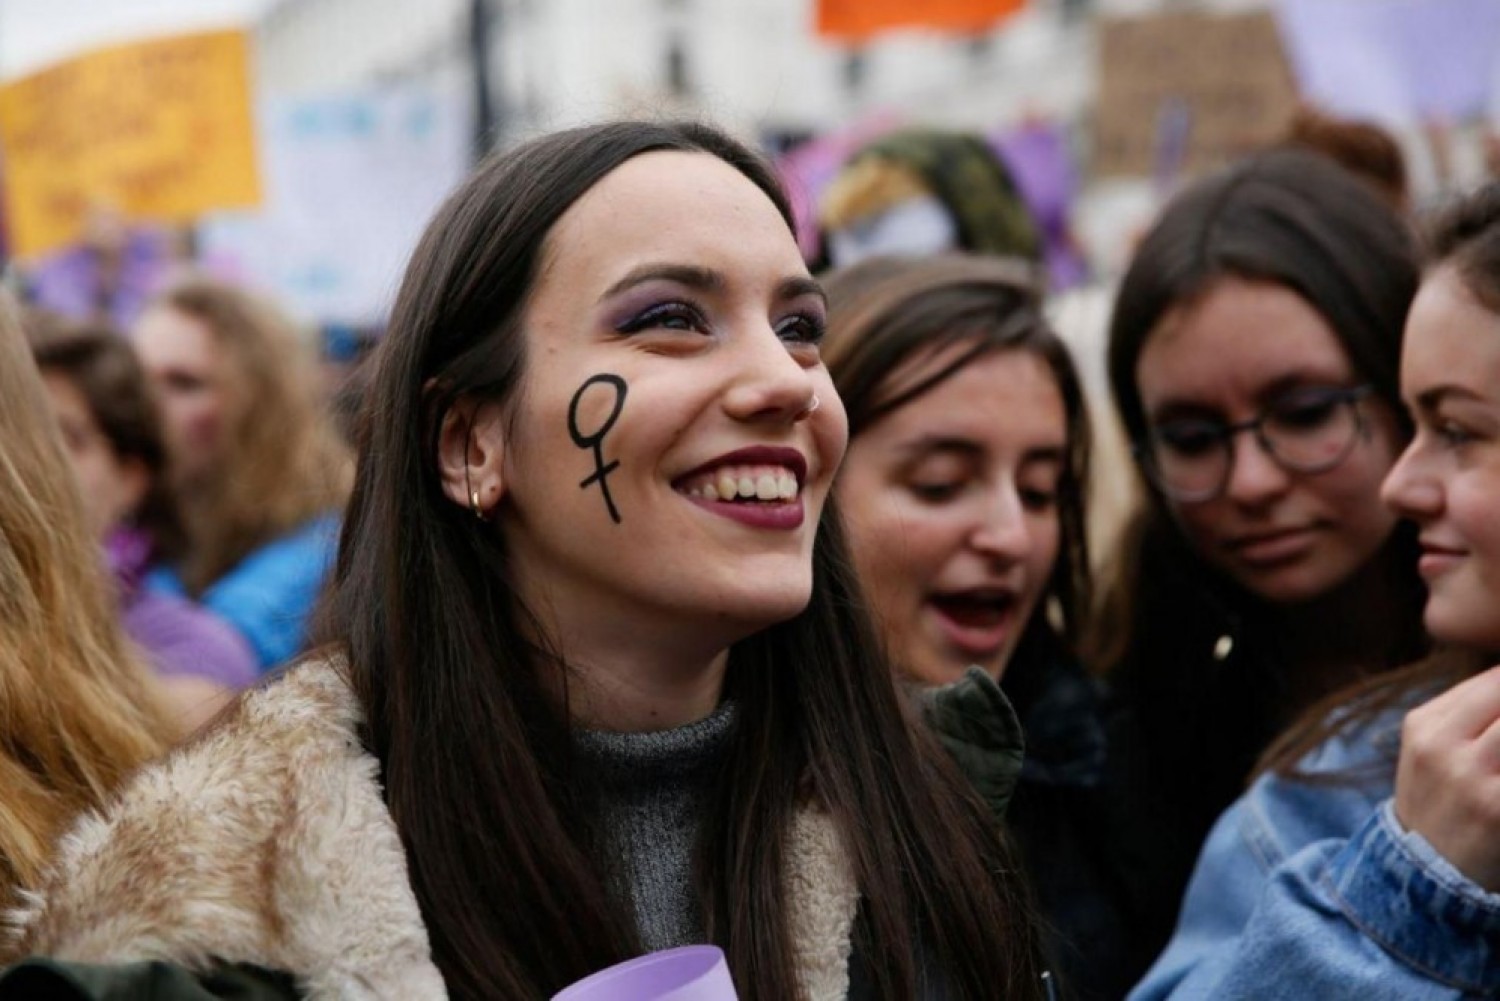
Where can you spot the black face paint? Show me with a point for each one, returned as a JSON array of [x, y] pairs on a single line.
[[595, 441]]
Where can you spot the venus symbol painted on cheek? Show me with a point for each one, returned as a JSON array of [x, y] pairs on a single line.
[[595, 440]]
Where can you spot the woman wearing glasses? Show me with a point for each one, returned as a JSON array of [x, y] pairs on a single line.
[[1253, 357], [1365, 861]]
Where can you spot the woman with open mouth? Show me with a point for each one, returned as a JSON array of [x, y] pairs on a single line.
[[1364, 862], [595, 681], [963, 494]]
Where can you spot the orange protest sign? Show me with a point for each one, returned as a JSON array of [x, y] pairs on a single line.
[[858, 20], [159, 130]]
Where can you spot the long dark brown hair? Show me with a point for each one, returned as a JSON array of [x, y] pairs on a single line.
[[1288, 218], [101, 364], [1203, 672], [1466, 238], [475, 754], [885, 311]]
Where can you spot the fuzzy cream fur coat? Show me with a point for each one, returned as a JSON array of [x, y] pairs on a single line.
[[267, 841]]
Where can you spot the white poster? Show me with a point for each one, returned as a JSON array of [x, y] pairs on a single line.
[[350, 182]]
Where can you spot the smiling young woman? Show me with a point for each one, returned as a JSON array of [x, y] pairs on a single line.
[[1365, 860], [597, 681]]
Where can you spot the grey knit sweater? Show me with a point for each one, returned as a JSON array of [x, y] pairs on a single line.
[[653, 790]]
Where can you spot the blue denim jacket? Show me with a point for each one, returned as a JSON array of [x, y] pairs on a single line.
[[1314, 890], [269, 595]]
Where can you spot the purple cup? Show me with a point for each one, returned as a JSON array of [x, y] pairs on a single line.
[[690, 973]]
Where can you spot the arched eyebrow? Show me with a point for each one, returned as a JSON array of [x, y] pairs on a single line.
[[1430, 400], [800, 285], [932, 444], [708, 280], [929, 444], [1302, 377], [1047, 455]]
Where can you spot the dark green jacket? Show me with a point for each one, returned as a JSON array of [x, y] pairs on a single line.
[[976, 723]]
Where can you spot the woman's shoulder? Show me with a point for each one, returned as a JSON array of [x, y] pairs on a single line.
[[1329, 792], [194, 819], [270, 593], [308, 546], [265, 841], [182, 637], [318, 530], [975, 722]]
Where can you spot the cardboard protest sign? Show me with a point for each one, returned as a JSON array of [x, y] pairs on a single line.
[[1187, 91], [157, 130]]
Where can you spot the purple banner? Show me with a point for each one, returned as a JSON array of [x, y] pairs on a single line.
[[1394, 61]]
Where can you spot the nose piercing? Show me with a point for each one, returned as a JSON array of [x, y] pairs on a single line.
[[814, 405]]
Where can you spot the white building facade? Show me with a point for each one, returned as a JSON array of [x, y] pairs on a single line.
[[756, 66]]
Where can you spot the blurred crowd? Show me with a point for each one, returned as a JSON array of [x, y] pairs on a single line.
[[322, 674]]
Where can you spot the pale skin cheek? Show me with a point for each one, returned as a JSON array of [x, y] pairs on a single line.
[[916, 550], [895, 617], [887, 572], [193, 436], [195, 422], [595, 407], [869, 518], [1465, 610], [203, 429], [1486, 598]]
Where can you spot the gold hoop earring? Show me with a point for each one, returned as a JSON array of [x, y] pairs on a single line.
[[474, 506]]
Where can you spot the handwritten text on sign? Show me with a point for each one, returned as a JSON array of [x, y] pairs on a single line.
[[160, 130], [1215, 85]]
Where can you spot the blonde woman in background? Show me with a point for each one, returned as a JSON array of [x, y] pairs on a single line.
[[260, 471], [78, 712]]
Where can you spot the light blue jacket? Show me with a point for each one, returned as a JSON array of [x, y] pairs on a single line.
[[269, 595], [1308, 890]]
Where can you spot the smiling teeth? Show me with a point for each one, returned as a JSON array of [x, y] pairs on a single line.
[[764, 483]]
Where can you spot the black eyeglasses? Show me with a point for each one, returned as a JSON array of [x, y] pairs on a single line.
[[1308, 430]]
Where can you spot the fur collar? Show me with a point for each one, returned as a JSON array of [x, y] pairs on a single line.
[[267, 841]]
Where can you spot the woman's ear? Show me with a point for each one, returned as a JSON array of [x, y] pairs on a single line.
[[470, 455]]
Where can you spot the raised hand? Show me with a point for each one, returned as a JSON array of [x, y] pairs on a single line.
[[1448, 778]]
